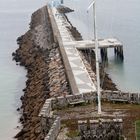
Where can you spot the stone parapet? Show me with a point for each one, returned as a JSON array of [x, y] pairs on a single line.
[[54, 130], [64, 101], [47, 108], [101, 129]]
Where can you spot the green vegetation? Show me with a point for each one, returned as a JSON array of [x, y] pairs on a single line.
[[138, 129], [73, 133]]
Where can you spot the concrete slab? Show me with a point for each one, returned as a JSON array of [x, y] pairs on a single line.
[[82, 78], [103, 43]]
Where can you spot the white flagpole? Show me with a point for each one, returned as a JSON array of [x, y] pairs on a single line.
[[96, 55]]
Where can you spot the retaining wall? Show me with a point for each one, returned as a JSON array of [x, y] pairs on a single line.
[[46, 112], [64, 101], [46, 109], [101, 129], [118, 95], [54, 130]]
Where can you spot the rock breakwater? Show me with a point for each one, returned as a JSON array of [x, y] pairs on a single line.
[[40, 55]]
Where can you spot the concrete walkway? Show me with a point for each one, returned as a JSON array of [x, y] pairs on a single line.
[[82, 78]]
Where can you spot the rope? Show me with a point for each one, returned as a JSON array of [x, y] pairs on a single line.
[[113, 16], [88, 27]]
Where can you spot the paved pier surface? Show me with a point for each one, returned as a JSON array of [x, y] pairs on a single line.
[[81, 77], [103, 43]]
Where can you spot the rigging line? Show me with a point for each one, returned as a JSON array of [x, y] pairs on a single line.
[[76, 14], [76, 11], [118, 2], [91, 30], [88, 26], [104, 18], [89, 52], [112, 20], [88, 36]]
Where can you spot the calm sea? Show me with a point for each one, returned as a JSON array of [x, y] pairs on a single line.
[[14, 18], [116, 18]]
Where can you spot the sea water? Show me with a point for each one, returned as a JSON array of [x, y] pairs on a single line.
[[115, 18], [14, 20]]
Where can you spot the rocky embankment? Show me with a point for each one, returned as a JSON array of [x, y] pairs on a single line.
[[40, 55]]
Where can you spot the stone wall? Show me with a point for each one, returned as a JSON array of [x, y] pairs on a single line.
[[64, 101], [54, 130], [103, 129], [46, 113], [122, 96], [47, 108]]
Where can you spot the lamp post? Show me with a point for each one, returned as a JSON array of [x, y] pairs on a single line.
[[96, 55]]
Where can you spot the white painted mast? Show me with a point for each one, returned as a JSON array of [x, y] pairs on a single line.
[[96, 54]]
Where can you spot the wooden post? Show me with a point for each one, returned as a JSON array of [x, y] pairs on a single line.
[[102, 54], [115, 50], [118, 51], [106, 57], [122, 56]]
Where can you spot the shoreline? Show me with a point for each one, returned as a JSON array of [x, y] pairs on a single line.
[[45, 74]]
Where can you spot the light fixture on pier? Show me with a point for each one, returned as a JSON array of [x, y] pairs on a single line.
[[93, 4]]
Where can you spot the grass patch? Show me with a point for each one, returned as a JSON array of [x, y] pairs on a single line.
[[73, 133], [138, 129]]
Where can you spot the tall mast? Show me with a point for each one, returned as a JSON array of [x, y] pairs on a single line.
[[96, 55]]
